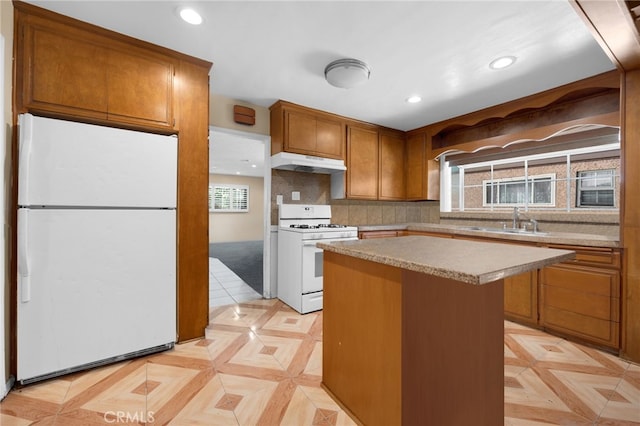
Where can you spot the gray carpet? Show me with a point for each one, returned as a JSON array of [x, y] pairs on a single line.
[[244, 258]]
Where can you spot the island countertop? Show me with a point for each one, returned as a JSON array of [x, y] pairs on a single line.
[[471, 262]]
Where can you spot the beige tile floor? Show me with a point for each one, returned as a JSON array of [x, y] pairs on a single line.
[[260, 364], [225, 287]]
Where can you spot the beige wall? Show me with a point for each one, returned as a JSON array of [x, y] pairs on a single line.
[[227, 227], [6, 29], [221, 115]]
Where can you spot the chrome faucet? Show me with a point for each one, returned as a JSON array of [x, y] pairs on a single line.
[[516, 220]]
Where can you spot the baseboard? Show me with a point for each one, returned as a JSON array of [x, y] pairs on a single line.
[[7, 387]]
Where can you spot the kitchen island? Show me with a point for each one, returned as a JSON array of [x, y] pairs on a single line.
[[413, 327]]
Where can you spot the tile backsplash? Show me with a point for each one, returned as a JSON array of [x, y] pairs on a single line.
[[316, 189], [356, 212]]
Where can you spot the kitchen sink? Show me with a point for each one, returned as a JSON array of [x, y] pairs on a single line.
[[503, 230]]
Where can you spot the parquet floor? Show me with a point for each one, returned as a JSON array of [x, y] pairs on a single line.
[[260, 364]]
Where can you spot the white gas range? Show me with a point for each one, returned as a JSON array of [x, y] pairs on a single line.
[[301, 226]]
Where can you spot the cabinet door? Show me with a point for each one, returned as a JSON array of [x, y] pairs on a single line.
[[140, 89], [391, 168], [362, 163], [416, 170], [582, 301], [80, 74], [63, 74], [329, 138], [521, 297], [300, 133], [366, 235]]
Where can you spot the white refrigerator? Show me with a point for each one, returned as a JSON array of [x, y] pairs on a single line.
[[96, 245]]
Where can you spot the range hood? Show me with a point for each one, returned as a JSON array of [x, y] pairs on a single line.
[[306, 163]]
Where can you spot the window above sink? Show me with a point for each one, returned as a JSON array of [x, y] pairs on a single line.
[[573, 171]]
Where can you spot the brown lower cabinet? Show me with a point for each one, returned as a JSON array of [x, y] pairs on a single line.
[[365, 235], [579, 299], [521, 298], [437, 366]]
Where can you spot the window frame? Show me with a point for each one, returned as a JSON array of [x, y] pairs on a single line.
[[596, 189], [232, 205], [453, 185], [529, 183]]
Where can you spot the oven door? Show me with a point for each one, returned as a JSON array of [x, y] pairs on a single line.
[[312, 264]]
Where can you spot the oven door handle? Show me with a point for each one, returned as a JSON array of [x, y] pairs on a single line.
[[330, 240]]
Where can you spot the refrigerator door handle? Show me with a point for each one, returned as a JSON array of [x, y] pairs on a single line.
[[25, 142], [24, 278]]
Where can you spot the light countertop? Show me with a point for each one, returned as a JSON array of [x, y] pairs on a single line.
[[564, 238], [471, 262]]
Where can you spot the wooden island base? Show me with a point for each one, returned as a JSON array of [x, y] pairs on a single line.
[[408, 348]]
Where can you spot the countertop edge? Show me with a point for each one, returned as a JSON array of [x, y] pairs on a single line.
[[353, 250], [569, 239]]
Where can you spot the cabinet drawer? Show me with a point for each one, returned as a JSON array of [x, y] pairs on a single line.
[[591, 305], [603, 282], [581, 301], [593, 256], [377, 234], [589, 328]]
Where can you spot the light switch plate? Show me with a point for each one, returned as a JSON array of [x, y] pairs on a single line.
[[295, 195], [279, 199]]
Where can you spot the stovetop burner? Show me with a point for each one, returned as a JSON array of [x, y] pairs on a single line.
[[328, 225]]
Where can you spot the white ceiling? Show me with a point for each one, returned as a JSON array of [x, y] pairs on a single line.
[[234, 154], [268, 50]]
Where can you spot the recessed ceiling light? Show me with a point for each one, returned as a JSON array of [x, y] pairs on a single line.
[[502, 62], [253, 165], [190, 16], [414, 99]]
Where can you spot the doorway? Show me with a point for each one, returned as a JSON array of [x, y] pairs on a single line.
[[239, 216]]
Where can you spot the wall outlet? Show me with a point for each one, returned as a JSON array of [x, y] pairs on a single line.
[[295, 195], [279, 199]]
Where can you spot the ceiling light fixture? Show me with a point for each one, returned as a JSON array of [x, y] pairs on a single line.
[[502, 62], [191, 16], [347, 73], [414, 99]]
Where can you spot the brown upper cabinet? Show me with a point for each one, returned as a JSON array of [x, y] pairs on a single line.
[[416, 170], [306, 131], [381, 163], [362, 162], [73, 71], [375, 163], [391, 183]]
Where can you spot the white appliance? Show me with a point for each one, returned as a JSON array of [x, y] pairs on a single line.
[[306, 163], [96, 245], [301, 226]]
